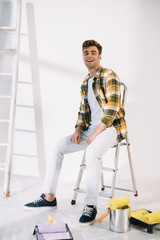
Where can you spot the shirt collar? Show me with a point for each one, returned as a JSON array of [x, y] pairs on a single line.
[[99, 70]]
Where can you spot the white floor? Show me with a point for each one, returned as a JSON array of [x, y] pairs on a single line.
[[17, 224]]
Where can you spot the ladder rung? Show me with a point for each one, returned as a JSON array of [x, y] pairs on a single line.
[[5, 97], [8, 51], [121, 144], [2, 165], [4, 120], [80, 190], [122, 189], [3, 144], [24, 82], [107, 169], [103, 168], [24, 34], [25, 130], [8, 29], [24, 106], [102, 194], [6, 74], [25, 155]]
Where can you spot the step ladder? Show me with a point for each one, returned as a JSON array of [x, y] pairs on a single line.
[[9, 121], [113, 170], [12, 98]]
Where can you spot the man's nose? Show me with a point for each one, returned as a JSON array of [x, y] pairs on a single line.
[[89, 55]]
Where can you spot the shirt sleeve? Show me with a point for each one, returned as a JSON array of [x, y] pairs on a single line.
[[80, 121], [112, 95]]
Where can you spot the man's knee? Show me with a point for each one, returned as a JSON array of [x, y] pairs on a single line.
[[58, 147], [91, 153]]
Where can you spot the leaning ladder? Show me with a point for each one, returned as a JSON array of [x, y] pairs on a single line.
[[14, 75]]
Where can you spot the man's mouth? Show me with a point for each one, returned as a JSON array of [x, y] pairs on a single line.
[[90, 60]]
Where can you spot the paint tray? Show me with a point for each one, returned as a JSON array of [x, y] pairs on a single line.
[[148, 226], [54, 231]]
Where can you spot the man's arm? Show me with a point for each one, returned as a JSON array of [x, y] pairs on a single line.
[[112, 94], [76, 136]]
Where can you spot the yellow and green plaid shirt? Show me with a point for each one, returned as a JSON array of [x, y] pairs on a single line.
[[106, 88]]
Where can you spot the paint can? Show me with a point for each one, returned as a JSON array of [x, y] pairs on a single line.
[[120, 220]]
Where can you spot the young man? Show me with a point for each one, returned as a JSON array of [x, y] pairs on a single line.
[[100, 125]]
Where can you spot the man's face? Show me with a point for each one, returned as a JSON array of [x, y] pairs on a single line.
[[91, 57]]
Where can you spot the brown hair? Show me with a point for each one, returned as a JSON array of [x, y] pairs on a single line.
[[89, 43]]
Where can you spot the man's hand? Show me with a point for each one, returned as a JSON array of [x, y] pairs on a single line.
[[91, 137], [76, 136], [101, 127]]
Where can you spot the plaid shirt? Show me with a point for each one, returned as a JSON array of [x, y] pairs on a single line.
[[106, 88]]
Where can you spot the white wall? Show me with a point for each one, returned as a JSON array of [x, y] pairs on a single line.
[[129, 31]]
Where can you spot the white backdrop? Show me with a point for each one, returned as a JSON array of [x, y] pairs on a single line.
[[129, 31]]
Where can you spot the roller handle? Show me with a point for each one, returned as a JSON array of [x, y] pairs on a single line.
[[103, 216], [50, 219]]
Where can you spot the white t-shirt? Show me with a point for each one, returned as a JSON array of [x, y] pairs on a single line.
[[96, 111]]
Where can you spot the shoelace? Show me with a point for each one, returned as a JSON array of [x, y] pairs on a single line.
[[38, 200], [87, 211]]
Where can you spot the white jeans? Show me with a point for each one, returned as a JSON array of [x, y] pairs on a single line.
[[102, 143]]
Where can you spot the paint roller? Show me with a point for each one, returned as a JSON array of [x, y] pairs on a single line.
[[145, 216], [139, 214], [119, 203], [115, 204], [153, 217], [52, 230]]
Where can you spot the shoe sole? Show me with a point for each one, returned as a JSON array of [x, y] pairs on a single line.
[[38, 208], [87, 224]]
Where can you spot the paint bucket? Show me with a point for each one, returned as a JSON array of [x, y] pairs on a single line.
[[120, 220]]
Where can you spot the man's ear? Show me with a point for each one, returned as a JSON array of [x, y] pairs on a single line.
[[100, 56]]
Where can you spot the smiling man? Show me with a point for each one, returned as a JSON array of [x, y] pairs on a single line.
[[99, 126]]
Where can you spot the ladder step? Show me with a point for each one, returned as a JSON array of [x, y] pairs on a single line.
[[80, 190], [6, 29], [24, 82], [3, 144], [24, 106], [25, 130], [122, 189], [4, 120], [8, 51], [2, 165], [24, 34], [5, 97], [103, 168], [121, 144], [102, 194], [24, 155], [6, 74], [107, 169]]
